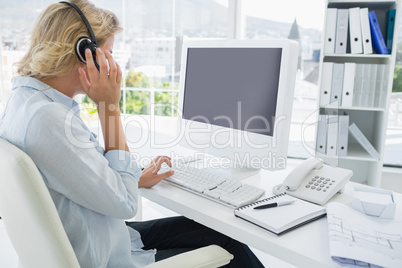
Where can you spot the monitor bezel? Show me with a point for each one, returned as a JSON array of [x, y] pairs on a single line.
[[276, 152]]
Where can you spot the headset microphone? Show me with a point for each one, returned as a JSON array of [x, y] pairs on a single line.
[[84, 43]]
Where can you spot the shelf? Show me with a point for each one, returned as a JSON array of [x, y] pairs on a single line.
[[353, 108], [355, 152], [369, 79], [376, 4], [358, 58], [348, 55]]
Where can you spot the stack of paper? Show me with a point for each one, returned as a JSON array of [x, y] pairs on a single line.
[[358, 240]]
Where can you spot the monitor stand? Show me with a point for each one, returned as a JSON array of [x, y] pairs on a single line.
[[213, 164], [232, 171]]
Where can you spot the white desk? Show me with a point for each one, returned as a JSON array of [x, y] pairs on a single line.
[[306, 246]]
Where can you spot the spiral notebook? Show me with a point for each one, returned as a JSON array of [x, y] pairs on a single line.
[[281, 219]]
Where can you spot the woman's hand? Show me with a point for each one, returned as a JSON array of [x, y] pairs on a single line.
[[150, 176], [102, 86]]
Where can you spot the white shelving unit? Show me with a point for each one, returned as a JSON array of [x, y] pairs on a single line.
[[372, 121]]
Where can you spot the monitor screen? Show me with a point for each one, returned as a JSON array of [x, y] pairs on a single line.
[[233, 87]]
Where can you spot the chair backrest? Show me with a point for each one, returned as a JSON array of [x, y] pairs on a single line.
[[29, 214]]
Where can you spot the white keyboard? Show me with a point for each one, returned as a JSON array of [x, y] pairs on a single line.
[[225, 191]]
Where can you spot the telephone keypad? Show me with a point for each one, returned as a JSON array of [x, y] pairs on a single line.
[[318, 183]]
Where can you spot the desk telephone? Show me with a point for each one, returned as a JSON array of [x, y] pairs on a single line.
[[314, 182]]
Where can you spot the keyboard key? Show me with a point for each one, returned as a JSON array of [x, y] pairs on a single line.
[[207, 184]]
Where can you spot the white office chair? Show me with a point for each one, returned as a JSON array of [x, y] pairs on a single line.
[[35, 229]]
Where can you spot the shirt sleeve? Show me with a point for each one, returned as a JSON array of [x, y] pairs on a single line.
[[73, 165]]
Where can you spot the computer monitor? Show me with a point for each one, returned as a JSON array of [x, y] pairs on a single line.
[[235, 102]]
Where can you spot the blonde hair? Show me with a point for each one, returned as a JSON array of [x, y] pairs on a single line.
[[52, 44]]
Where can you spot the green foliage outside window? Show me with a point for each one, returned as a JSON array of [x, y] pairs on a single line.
[[397, 84], [137, 80], [139, 102], [163, 104]]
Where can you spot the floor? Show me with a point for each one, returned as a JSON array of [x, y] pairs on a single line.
[[9, 259]]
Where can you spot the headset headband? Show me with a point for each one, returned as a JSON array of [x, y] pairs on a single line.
[[84, 19]]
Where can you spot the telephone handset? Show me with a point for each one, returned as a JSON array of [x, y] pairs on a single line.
[[314, 181]]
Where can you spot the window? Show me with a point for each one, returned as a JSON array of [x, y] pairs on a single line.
[[154, 32], [393, 142], [293, 20], [149, 50]]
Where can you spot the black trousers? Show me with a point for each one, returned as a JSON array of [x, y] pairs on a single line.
[[175, 235]]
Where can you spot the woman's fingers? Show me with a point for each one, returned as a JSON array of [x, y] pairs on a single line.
[[150, 175], [157, 162], [92, 71], [161, 160], [100, 56], [102, 85], [165, 175], [119, 74], [112, 65]]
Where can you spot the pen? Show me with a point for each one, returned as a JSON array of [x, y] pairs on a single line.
[[272, 205]]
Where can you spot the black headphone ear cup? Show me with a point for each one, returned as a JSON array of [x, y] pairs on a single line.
[[80, 48], [82, 45]]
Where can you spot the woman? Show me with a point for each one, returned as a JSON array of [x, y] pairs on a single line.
[[94, 188]]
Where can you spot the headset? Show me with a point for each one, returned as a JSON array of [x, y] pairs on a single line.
[[84, 43]]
